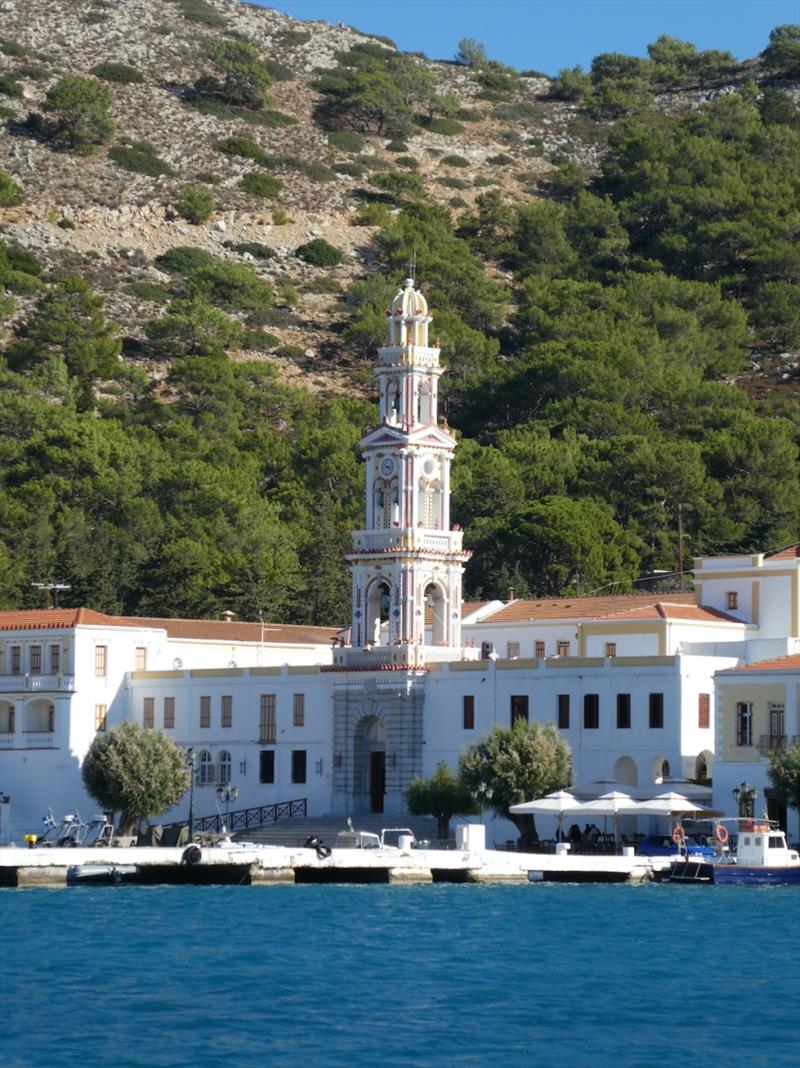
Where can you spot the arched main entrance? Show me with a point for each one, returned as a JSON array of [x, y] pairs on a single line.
[[370, 763]]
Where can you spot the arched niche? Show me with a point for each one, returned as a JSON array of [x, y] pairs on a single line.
[[660, 769], [436, 612], [626, 771], [378, 603], [703, 766]]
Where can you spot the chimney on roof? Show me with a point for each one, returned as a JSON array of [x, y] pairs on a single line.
[[510, 596], [228, 616]]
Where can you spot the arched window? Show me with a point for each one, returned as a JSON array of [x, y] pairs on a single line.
[[205, 769], [224, 767], [393, 401]]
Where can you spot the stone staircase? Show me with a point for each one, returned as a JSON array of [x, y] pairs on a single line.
[[294, 832]]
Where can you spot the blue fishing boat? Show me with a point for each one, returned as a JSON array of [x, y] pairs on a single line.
[[761, 857]]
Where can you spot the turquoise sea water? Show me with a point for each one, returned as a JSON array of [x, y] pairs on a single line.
[[544, 975]]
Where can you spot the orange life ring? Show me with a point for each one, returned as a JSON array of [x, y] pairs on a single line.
[[721, 833], [678, 835]]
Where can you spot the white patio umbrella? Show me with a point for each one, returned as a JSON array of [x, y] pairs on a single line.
[[556, 804], [611, 804], [670, 804]]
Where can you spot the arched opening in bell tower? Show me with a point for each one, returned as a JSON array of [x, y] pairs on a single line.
[[393, 401], [435, 612], [378, 604]]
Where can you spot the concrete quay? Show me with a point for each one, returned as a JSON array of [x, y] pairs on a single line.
[[262, 865]]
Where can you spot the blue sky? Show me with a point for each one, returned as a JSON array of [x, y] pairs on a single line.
[[549, 34]]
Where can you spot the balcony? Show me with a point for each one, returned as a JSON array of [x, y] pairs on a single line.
[[386, 541], [37, 683]]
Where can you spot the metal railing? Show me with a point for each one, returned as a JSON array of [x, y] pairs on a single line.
[[768, 743], [243, 819]]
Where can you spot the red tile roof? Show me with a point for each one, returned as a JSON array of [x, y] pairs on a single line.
[[790, 552], [208, 629], [668, 610], [779, 663], [550, 608]]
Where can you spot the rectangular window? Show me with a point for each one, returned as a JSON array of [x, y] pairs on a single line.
[[519, 707], [267, 728], [298, 765], [563, 711], [611, 648], [16, 659], [149, 713], [7, 719], [468, 708], [744, 723], [205, 713], [777, 725], [226, 711], [266, 766], [512, 650], [562, 648], [623, 711], [538, 649], [100, 661], [591, 711], [51, 718], [656, 711], [55, 659], [169, 713], [140, 659], [299, 710], [732, 599], [100, 717], [704, 710], [36, 660]]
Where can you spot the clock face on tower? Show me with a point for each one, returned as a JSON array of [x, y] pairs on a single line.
[[387, 466]]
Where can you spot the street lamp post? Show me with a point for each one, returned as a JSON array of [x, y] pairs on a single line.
[[483, 794], [190, 766], [225, 794], [745, 797]]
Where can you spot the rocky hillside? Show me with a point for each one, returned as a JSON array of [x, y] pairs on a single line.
[[104, 216]]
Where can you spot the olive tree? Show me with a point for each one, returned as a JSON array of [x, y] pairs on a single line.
[[443, 796], [135, 772], [784, 774], [515, 764]]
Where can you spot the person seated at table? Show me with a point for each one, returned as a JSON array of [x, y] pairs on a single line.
[[575, 834], [592, 833]]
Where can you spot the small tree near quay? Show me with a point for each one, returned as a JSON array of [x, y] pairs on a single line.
[[135, 772], [443, 796], [516, 764], [784, 774]]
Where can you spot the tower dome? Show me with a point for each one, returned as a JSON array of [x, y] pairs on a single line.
[[409, 302], [408, 317]]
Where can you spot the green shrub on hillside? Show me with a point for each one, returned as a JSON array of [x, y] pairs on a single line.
[[280, 217], [454, 161], [373, 214], [450, 182], [140, 158], [246, 149], [250, 248], [409, 162], [319, 253], [12, 48], [202, 12], [447, 127], [195, 204], [121, 73], [259, 184], [245, 75], [8, 87], [184, 259], [233, 286], [153, 291], [80, 108], [346, 140], [208, 178], [396, 145], [291, 352], [10, 192], [350, 168]]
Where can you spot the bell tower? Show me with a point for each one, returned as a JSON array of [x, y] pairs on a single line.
[[407, 562]]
